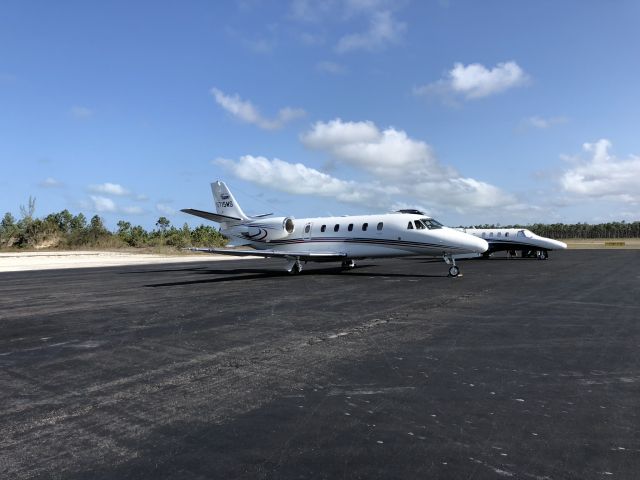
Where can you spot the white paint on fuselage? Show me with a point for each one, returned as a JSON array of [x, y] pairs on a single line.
[[517, 236], [393, 240]]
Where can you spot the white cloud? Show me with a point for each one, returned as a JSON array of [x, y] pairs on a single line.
[[542, 123], [247, 112], [261, 45], [403, 170], [132, 210], [383, 31], [298, 179], [165, 208], [310, 10], [389, 153], [110, 189], [107, 205], [51, 182], [603, 175], [81, 112], [331, 67], [103, 204], [476, 81]]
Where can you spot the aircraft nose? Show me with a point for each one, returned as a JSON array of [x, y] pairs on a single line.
[[474, 244], [479, 245], [559, 244]]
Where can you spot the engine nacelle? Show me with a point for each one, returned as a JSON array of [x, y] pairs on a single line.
[[268, 229]]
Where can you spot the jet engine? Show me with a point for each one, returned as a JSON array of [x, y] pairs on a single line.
[[268, 229]]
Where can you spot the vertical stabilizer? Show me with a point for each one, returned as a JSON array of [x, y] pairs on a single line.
[[225, 202]]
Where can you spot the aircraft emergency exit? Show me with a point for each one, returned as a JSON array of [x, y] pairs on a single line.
[[335, 239]]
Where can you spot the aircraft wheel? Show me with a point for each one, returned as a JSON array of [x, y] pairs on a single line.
[[454, 271], [348, 264], [295, 269]]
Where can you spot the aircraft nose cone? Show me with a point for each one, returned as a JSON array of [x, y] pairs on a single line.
[[559, 244], [479, 245]]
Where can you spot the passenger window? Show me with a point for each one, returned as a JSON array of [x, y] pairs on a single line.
[[350, 227], [410, 226], [336, 228], [380, 226], [365, 226], [506, 234], [491, 234], [499, 234], [323, 228], [307, 228], [484, 234]]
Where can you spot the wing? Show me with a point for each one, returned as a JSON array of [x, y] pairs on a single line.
[[214, 217], [318, 256]]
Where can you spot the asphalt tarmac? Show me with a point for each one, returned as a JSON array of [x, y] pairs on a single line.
[[519, 369]]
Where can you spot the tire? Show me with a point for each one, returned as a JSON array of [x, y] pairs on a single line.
[[348, 264], [295, 270], [454, 271]]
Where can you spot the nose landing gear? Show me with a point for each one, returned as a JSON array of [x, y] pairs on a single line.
[[454, 271]]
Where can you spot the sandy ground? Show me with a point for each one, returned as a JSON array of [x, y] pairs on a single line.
[[22, 261], [605, 243]]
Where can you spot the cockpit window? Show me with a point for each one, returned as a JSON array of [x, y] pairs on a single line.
[[410, 226], [430, 223], [420, 225], [524, 233]]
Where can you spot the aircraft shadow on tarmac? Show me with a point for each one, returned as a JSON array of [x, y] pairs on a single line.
[[237, 274]]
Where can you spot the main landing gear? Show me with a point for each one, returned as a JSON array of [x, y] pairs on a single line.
[[348, 264], [454, 271], [539, 254], [294, 267]]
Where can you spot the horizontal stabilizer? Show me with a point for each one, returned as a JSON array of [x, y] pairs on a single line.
[[214, 217], [273, 253]]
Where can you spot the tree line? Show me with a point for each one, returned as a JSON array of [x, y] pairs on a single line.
[[65, 230]]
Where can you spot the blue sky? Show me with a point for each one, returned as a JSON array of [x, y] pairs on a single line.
[[476, 112]]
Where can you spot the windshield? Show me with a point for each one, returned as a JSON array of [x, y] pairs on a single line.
[[525, 233], [430, 223]]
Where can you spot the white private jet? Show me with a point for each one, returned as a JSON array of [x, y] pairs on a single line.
[[514, 239], [326, 239]]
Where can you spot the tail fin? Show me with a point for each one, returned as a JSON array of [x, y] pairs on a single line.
[[225, 203]]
